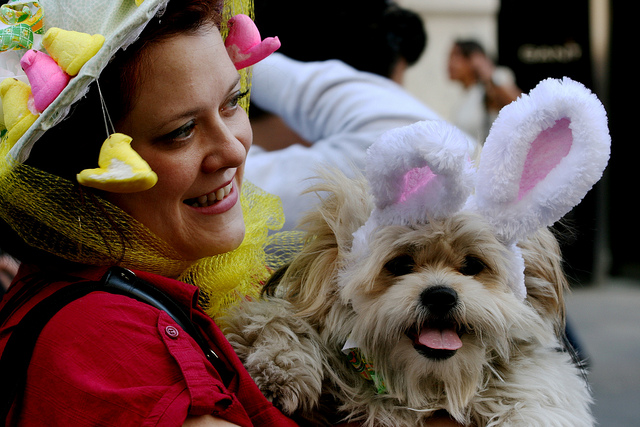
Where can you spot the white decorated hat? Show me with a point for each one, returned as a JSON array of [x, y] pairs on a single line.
[[118, 21]]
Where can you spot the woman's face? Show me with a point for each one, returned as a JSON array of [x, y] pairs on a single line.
[[187, 124]]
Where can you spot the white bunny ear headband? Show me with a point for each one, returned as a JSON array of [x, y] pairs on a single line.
[[543, 154]]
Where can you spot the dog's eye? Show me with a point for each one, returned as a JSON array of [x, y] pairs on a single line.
[[472, 266], [400, 265]]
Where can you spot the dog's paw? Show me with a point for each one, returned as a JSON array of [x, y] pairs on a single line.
[[280, 351], [290, 379]]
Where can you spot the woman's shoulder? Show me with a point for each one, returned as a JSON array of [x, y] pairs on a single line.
[[104, 333], [114, 355]]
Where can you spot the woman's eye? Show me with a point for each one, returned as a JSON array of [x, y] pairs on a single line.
[[233, 102], [183, 132]]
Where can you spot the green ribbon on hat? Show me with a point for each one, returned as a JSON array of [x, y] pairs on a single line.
[[16, 37], [22, 19], [23, 12]]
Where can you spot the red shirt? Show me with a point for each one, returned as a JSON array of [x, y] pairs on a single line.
[[107, 359]]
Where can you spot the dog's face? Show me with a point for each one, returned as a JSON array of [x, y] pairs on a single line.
[[431, 306], [432, 303]]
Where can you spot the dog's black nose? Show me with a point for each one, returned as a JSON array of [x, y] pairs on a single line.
[[439, 299]]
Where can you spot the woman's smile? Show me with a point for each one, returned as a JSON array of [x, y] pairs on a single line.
[[217, 201], [209, 199]]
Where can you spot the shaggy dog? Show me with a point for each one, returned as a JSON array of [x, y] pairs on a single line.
[[432, 285]]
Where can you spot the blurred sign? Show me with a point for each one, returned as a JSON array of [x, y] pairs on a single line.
[[545, 39]]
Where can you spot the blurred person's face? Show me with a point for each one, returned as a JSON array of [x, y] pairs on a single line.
[[459, 67], [187, 124]]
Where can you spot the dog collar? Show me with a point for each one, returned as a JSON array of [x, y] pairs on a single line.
[[363, 366]]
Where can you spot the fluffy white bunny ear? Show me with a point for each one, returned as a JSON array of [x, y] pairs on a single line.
[[418, 172], [544, 153]]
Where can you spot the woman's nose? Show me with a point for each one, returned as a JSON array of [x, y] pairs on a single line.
[[225, 149]]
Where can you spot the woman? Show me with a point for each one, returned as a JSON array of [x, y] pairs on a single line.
[[105, 358]]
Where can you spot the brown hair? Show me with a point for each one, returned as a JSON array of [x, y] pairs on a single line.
[[469, 47]]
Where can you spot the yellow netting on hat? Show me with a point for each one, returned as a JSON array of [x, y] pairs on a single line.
[[60, 217]]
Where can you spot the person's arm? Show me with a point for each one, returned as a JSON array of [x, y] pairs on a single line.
[[320, 100], [499, 82], [127, 367], [339, 110], [8, 269]]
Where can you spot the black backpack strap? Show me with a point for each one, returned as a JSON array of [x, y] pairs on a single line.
[[17, 353], [16, 356], [33, 284]]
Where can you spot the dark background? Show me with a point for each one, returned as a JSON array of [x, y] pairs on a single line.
[[551, 39]]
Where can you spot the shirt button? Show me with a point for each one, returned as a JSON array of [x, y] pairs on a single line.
[[171, 331]]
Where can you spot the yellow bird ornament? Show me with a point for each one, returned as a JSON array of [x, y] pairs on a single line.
[[121, 169]]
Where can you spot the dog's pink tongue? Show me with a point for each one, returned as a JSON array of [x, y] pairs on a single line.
[[440, 339]]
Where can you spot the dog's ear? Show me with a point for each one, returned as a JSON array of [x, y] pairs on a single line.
[[418, 172], [544, 153]]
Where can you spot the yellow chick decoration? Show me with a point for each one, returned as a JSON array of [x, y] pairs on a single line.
[[121, 170], [16, 113], [71, 49]]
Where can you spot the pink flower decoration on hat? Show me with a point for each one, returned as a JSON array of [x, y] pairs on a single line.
[[244, 45]]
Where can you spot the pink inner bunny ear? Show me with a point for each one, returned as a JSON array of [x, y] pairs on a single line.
[[551, 146], [419, 172], [414, 180]]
